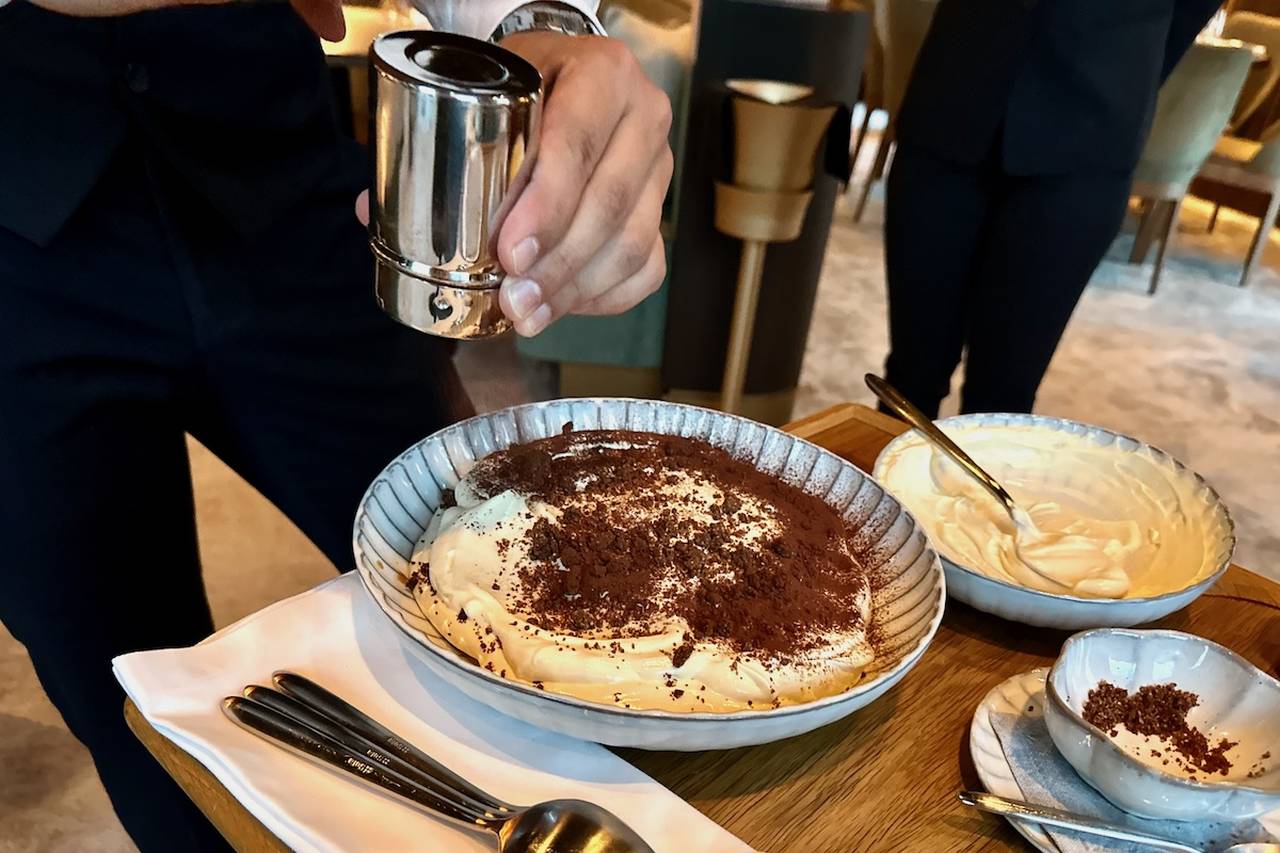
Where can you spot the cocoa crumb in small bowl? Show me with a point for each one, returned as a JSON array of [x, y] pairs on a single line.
[[1165, 725], [1159, 710]]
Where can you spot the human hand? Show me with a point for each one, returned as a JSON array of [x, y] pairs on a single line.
[[324, 17], [582, 237]]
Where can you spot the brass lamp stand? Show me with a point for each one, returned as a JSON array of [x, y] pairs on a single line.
[[777, 133]]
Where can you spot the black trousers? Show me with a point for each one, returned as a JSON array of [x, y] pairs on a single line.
[[148, 317], [989, 265]]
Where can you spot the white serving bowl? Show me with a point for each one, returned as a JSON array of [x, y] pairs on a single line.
[[907, 594], [1069, 612], [1237, 701]]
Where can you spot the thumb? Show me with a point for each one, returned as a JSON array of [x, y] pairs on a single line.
[[324, 17], [362, 207]]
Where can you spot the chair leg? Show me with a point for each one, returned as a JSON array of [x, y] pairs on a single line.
[[1153, 209], [1260, 237], [1172, 208], [877, 172], [1213, 218], [888, 160], [860, 138]]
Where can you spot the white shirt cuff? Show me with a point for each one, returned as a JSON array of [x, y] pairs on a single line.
[[479, 18]]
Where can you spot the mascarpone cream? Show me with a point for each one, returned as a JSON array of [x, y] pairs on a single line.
[[1117, 522]]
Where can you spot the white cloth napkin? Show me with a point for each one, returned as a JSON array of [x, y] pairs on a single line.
[[335, 635]]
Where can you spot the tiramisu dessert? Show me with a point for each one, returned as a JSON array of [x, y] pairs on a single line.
[[646, 571]]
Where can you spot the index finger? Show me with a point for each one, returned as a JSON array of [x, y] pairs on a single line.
[[576, 127]]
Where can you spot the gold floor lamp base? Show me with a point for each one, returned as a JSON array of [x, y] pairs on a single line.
[[750, 272], [757, 217]]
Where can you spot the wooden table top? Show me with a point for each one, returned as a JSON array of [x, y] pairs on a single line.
[[884, 778]]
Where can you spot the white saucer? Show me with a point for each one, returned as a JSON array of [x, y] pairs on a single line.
[[1022, 694]]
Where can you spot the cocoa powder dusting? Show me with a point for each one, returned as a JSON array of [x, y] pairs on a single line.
[[682, 652], [626, 552], [419, 575], [1158, 710]]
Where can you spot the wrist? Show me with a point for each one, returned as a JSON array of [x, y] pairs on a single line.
[[548, 16]]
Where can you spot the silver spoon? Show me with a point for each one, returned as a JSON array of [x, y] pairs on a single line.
[[1025, 530], [562, 826], [1046, 816]]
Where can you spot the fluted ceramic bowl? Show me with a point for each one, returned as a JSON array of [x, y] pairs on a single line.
[[1238, 701], [1069, 612], [907, 593]]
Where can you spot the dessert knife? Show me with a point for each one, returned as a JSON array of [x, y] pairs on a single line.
[[354, 742], [310, 694], [300, 739]]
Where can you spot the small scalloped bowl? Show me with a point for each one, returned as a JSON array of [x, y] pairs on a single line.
[[1237, 701], [1053, 610]]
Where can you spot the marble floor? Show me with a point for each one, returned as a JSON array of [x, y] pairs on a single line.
[[1195, 369]]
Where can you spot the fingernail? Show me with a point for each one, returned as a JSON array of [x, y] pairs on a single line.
[[524, 296], [524, 255], [537, 321]]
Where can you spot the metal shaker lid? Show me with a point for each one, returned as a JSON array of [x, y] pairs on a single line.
[[455, 127], [456, 64]]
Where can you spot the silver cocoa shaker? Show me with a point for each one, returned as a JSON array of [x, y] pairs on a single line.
[[455, 128]]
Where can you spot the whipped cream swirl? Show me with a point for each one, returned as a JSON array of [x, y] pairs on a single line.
[[1118, 522]]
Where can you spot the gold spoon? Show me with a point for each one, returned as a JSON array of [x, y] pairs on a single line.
[[1025, 530]]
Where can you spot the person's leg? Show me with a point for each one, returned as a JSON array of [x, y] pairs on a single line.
[[934, 220], [1047, 235], [95, 499], [309, 390]]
